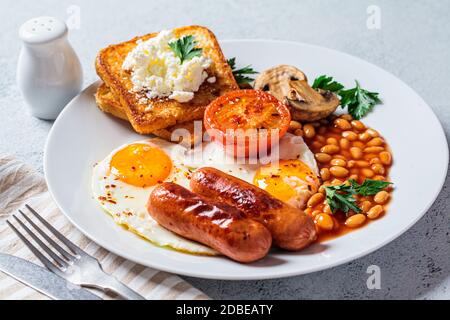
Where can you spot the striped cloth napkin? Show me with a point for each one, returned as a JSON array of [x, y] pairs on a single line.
[[19, 184]]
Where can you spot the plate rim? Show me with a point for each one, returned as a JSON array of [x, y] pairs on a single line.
[[160, 266]]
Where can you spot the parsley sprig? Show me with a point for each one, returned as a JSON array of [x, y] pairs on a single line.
[[357, 100], [341, 197], [241, 75], [184, 48], [327, 83]]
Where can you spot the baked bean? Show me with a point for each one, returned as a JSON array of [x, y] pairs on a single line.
[[373, 149], [356, 152], [354, 171], [342, 124], [338, 171], [375, 161], [316, 213], [362, 164], [373, 133], [323, 157], [346, 154], [324, 221], [375, 142], [385, 158], [358, 125], [322, 188], [369, 156], [344, 143], [347, 117], [375, 212], [354, 177], [365, 206], [294, 125], [338, 162], [308, 211], [319, 137], [381, 197], [336, 182], [332, 141], [326, 208], [351, 163], [355, 221], [336, 223], [379, 178], [315, 199], [330, 149], [367, 173], [299, 132], [364, 137], [377, 168], [358, 144], [349, 135], [309, 131], [316, 145], [339, 156], [325, 174]]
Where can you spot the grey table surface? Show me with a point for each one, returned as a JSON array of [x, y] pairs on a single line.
[[413, 42]]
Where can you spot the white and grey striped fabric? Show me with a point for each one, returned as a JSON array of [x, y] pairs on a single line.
[[19, 184]]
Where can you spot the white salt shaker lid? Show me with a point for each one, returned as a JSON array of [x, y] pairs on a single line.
[[42, 30]]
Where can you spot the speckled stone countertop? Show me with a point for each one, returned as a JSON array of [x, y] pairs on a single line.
[[413, 42]]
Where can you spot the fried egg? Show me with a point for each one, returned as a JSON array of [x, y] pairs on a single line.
[[294, 178], [122, 184], [123, 181]]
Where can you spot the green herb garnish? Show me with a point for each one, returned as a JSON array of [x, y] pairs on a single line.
[[241, 75], [342, 197], [369, 187], [184, 48], [327, 83], [357, 100]]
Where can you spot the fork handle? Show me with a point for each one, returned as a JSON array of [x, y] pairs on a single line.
[[111, 284]]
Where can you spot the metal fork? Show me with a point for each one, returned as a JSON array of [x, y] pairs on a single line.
[[75, 265]]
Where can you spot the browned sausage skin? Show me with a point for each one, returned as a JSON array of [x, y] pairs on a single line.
[[218, 225], [291, 228]]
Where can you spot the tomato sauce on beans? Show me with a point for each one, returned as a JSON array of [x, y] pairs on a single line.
[[346, 149]]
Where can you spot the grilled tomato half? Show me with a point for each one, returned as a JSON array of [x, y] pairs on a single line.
[[247, 122]]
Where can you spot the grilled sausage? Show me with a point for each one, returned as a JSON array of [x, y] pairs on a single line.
[[291, 228], [218, 225]]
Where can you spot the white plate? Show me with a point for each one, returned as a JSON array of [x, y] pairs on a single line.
[[83, 135]]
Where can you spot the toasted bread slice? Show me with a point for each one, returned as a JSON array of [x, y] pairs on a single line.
[[109, 104], [158, 113]]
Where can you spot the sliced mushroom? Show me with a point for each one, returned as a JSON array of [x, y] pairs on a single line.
[[290, 85]]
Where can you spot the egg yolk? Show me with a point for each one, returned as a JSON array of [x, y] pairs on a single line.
[[141, 165], [286, 180]]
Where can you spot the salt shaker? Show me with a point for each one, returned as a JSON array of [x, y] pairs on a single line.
[[49, 73]]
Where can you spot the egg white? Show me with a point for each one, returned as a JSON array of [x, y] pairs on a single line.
[[127, 203]]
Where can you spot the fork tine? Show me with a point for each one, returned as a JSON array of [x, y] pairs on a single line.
[[50, 252], [58, 248], [75, 249], [46, 262]]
